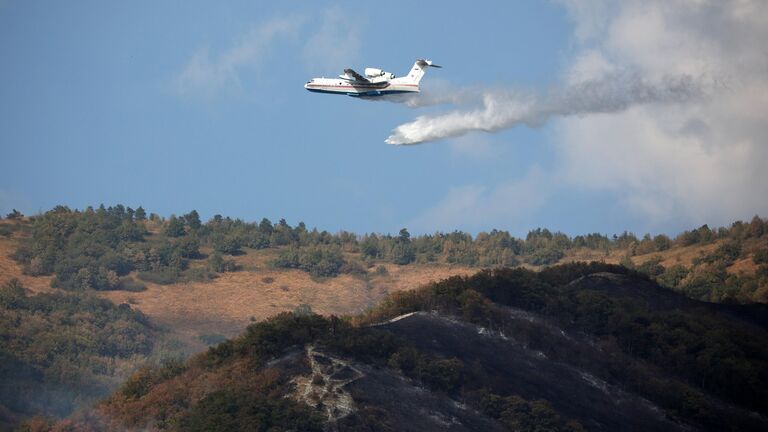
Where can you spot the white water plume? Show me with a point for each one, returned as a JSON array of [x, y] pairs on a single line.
[[504, 109]]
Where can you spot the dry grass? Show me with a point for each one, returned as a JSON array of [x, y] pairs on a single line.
[[679, 255], [743, 266], [229, 303], [584, 254], [685, 256]]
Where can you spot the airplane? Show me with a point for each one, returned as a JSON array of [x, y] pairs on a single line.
[[376, 82]]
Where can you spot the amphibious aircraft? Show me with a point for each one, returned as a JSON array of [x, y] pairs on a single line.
[[376, 82]]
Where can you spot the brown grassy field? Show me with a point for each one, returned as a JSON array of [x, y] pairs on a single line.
[[678, 255], [226, 305], [229, 303]]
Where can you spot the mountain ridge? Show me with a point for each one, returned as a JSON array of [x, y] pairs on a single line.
[[504, 343]]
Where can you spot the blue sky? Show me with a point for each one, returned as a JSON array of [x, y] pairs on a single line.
[[182, 105]]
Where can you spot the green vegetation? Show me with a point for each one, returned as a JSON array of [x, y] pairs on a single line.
[[84, 250], [97, 249], [708, 279], [60, 352], [323, 260], [324, 254]]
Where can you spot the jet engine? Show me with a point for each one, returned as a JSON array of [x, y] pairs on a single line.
[[373, 72]]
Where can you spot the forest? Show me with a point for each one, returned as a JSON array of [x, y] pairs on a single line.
[[63, 351], [101, 248]]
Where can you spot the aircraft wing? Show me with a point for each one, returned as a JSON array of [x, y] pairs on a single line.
[[355, 75]]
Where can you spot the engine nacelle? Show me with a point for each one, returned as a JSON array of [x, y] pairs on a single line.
[[373, 72]]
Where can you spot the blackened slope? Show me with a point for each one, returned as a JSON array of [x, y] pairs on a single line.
[[402, 405], [618, 285], [695, 361], [510, 368], [660, 298]]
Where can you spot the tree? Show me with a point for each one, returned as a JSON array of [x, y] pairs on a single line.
[[175, 227], [140, 214], [226, 244], [662, 242], [402, 252], [218, 264], [265, 226], [756, 227], [404, 236], [193, 220], [674, 275], [370, 246], [189, 246], [705, 234]]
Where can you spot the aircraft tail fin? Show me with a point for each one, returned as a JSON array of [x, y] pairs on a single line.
[[418, 70]]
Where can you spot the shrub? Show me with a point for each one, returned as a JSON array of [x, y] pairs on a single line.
[[130, 284], [322, 261], [651, 267], [353, 267], [381, 271], [673, 275], [219, 264], [726, 253], [227, 245]]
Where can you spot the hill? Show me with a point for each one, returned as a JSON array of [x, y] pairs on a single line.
[[575, 347], [201, 283], [221, 305]]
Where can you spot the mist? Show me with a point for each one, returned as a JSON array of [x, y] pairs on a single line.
[[504, 108]]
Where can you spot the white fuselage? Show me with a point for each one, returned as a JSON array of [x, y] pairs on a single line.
[[376, 82], [358, 88]]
